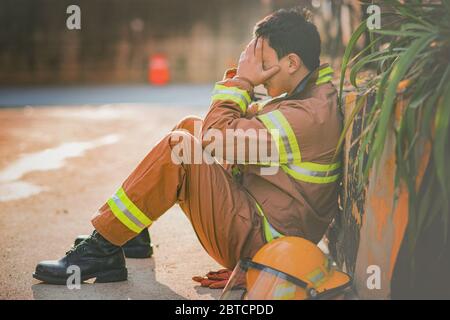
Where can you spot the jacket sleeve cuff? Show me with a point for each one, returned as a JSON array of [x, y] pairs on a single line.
[[236, 90]]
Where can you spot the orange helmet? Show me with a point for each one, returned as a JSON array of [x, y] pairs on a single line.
[[288, 268]]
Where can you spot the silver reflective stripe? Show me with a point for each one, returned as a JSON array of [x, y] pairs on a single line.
[[231, 93], [311, 173], [275, 233], [125, 211], [284, 135]]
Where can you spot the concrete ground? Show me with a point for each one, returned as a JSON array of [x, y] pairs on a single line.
[[57, 166]]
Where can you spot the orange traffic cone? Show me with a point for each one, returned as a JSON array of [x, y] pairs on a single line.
[[158, 70]]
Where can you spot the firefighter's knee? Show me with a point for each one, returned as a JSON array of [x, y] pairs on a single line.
[[185, 148], [192, 124]]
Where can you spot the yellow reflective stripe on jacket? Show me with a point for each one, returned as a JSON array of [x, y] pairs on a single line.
[[238, 96], [290, 155], [286, 141], [325, 75], [313, 172], [277, 137], [324, 80], [269, 232], [295, 150], [325, 71], [127, 212]]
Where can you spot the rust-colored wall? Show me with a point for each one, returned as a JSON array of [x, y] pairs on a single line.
[[370, 230]]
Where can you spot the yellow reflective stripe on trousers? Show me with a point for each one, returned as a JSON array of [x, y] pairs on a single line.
[[287, 145], [269, 232], [127, 212], [238, 96], [313, 172]]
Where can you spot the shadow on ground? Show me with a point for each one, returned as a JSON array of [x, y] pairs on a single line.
[[203, 291]]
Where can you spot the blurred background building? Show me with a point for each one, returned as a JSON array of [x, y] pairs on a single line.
[[199, 38]]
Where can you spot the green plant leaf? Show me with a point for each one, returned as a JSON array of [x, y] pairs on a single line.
[[399, 70], [348, 52], [374, 57]]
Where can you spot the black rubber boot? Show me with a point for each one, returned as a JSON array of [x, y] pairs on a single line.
[[95, 256], [139, 247]]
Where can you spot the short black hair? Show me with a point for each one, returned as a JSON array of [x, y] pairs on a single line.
[[291, 31]]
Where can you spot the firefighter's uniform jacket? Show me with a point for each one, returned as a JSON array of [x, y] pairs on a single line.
[[234, 207]]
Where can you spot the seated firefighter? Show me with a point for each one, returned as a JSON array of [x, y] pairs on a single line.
[[235, 207]]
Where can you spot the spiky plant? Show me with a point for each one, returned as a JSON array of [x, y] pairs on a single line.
[[413, 49]]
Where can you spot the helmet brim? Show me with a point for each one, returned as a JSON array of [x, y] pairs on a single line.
[[254, 281]]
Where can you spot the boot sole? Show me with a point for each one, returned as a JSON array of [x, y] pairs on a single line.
[[116, 275]]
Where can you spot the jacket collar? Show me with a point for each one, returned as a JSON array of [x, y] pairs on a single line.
[[307, 82], [305, 85]]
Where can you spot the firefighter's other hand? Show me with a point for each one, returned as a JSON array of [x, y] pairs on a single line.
[[250, 66], [214, 279]]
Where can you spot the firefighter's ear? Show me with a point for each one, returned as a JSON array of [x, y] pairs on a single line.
[[294, 63]]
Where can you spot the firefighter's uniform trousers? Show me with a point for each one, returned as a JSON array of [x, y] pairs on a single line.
[[233, 218], [225, 220]]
